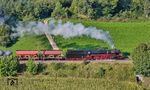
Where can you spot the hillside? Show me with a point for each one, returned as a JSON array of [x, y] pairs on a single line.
[[30, 43], [126, 36]]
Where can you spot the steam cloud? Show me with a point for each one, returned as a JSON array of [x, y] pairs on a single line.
[[66, 30]]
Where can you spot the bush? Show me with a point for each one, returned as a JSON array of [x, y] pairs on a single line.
[[141, 59], [31, 66], [8, 66], [101, 72], [41, 68], [5, 38]]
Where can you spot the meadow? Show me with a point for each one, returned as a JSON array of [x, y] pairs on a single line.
[[29, 43], [68, 84], [126, 36]]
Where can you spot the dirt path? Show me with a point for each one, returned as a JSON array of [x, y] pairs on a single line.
[[52, 42]]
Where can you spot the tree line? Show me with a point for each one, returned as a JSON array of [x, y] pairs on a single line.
[[89, 9]]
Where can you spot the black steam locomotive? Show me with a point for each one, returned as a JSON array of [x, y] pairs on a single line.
[[93, 54]]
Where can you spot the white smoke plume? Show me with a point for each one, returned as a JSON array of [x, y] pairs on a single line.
[[66, 30]]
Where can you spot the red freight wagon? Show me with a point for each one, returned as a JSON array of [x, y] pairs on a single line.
[[39, 55]]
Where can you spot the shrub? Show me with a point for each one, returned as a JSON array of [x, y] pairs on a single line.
[[8, 66], [41, 68], [31, 66], [5, 38], [101, 72], [141, 59]]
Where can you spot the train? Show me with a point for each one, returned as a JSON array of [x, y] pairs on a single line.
[[69, 55]]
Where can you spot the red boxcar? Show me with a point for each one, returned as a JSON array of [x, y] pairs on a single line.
[[39, 55]]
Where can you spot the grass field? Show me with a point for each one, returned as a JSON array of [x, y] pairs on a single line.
[[30, 43], [126, 35], [41, 83]]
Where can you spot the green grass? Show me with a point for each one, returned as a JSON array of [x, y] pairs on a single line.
[[42, 83], [30, 43], [78, 76], [82, 42], [126, 35]]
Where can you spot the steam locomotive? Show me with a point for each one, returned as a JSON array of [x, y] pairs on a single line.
[[69, 55]]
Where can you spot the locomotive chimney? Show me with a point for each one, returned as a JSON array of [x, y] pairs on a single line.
[[50, 39]]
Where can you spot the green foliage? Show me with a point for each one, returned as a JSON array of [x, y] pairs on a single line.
[[41, 68], [59, 11], [39, 9], [141, 59], [147, 8], [112, 71], [8, 66], [5, 38], [31, 67]]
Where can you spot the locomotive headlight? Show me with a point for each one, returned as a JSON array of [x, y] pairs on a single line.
[[89, 52]]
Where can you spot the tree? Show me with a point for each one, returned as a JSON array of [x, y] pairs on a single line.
[[147, 8], [141, 59], [31, 67], [39, 9], [137, 8], [74, 7], [108, 6], [5, 35], [8, 66], [59, 11]]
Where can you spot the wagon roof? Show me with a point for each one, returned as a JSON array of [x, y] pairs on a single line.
[[32, 52]]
